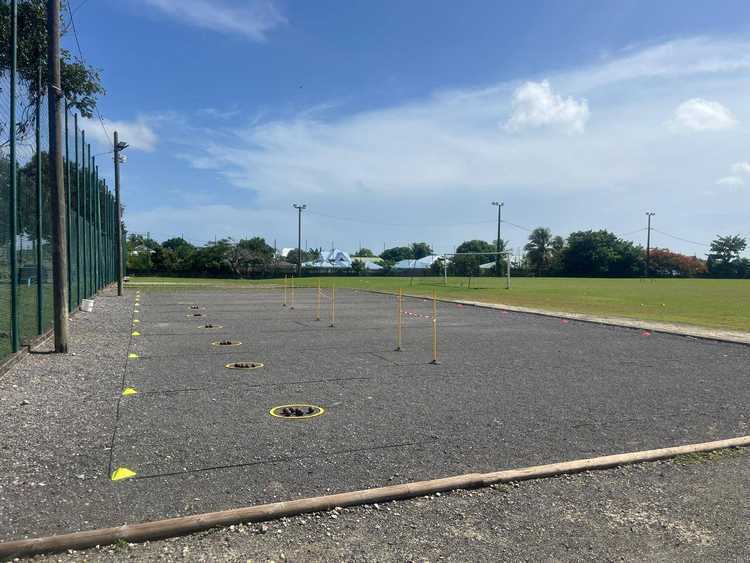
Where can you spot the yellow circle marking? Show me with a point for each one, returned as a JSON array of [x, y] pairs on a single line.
[[274, 411], [253, 365], [218, 343]]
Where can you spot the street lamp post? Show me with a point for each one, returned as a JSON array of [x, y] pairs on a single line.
[[299, 209], [118, 146], [649, 214], [499, 206]]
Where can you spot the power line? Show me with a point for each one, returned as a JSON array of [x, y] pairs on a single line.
[[81, 5], [517, 226], [80, 55], [434, 224], [634, 232], [680, 238]]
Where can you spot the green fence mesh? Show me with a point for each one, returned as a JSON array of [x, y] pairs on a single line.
[[90, 214], [5, 327]]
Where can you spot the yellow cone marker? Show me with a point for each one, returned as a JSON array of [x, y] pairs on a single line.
[[128, 391], [133, 356], [122, 473], [135, 333], [136, 321]]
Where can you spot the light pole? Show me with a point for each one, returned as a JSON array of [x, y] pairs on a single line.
[[299, 209], [649, 214], [119, 146], [499, 206]]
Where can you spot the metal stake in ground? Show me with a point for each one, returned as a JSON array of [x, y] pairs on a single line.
[[283, 301], [399, 317], [434, 328], [333, 307], [59, 234], [291, 288], [317, 303]]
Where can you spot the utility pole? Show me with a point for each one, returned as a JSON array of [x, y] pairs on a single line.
[[57, 189], [497, 245], [119, 146], [648, 242], [299, 209]]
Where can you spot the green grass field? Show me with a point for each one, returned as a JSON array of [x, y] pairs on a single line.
[[709, 303]]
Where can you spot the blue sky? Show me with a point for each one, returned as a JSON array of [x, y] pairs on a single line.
[[402, 121]]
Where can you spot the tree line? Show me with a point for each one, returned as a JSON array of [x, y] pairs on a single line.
[[582, 253]]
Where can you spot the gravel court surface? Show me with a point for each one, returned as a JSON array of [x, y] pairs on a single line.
[[680, 510], [511, 390]]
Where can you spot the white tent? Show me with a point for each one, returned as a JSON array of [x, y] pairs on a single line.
[[420, 264], [374, 266], [330, 259]]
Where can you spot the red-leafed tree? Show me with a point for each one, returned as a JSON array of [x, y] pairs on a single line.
[[667, 263]]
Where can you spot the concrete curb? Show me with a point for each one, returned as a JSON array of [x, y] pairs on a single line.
[[718, 335], [190, 524]]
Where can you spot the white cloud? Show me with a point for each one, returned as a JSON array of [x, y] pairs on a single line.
[[704, 115], [536, 105], [441, 159], [252, 18], [730, 181], [741, 168], [138, 134]]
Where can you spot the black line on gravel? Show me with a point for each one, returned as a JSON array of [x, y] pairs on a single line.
[[383, 358], [272, 460], [122, 387], [252, 385]]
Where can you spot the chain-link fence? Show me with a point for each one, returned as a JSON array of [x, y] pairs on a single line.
[[25, 204]]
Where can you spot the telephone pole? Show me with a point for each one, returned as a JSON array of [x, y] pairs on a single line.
[[57, 189], [119, 146], [497, 245], [648, 242], [299, 209]]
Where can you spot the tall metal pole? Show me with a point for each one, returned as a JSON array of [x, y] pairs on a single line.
[[90, 203], [57, 190], [499, 205], [98, 217], [299, 209], [118, 218], [13, 199], [68, 204], [83, 195], [38, 162], [78, 216], [648, 243]]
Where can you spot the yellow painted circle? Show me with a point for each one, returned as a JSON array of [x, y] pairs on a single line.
[[275, 411], [218, 343], [253, 365]]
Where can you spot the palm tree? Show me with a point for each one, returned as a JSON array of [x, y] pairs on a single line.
[[539, 248]]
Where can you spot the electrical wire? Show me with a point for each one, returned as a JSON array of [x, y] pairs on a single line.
[[80, 55], [680, 238], [434, 224]]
